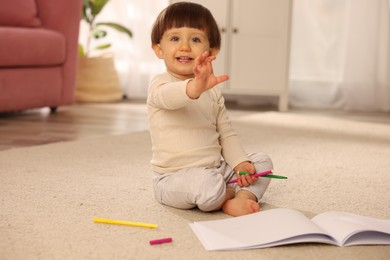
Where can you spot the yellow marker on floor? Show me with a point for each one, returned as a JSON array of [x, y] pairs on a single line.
[[126, 223]]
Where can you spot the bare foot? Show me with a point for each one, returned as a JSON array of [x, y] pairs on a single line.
[[244, 203]]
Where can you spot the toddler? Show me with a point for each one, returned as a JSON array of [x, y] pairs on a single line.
[[196, 152]]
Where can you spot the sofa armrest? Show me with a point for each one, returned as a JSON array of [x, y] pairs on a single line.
[[64, 16]]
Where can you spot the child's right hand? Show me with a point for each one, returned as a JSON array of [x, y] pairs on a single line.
[[204, 76]]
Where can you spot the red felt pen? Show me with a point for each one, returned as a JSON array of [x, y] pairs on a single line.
[[160, 241]]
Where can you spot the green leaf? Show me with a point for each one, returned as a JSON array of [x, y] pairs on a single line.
[[84, 12], [81, 50], [103, 46], [118, 27], [87, 12], [97, 33], [96, 6]]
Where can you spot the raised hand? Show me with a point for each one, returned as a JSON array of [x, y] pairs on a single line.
[[204, 76]]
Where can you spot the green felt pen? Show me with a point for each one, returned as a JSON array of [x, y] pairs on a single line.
[[275, 176], [264, 175]]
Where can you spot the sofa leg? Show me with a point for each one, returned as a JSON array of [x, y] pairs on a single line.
[[53, 110]]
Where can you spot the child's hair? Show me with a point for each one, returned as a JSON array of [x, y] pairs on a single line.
[[186, 14]]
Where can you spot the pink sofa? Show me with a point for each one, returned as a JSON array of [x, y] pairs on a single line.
[[38, 53]]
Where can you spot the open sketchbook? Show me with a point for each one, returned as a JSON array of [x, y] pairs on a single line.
[[277, 227]]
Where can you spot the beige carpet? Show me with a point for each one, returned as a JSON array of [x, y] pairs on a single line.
[[49, 194]]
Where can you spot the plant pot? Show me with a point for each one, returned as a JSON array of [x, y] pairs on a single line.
[[97, 80]]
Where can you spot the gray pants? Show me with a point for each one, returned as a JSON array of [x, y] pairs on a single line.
[[205, 188]]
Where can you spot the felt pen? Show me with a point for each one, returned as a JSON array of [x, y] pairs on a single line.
[[273, 176], [266, 176], [126, 223], [256, 174], [160, 241]]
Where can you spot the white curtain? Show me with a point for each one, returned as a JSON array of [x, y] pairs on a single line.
[[340, 55], [340, 51]]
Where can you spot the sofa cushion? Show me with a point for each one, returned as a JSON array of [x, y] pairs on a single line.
[[19, 13], [21, 47]]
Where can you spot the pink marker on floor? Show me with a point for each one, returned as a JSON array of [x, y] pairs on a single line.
[[160, 241]]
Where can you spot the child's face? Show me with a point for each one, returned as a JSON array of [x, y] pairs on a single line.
[[179, 47]]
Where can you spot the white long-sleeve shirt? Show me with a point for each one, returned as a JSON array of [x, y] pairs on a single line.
[[188, 132]]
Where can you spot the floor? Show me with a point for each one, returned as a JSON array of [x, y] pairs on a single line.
[[39, 126]]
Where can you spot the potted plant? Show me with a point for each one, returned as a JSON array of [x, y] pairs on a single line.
[[97, 78]]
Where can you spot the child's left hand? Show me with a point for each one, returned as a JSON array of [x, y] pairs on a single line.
[[246, 179]]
